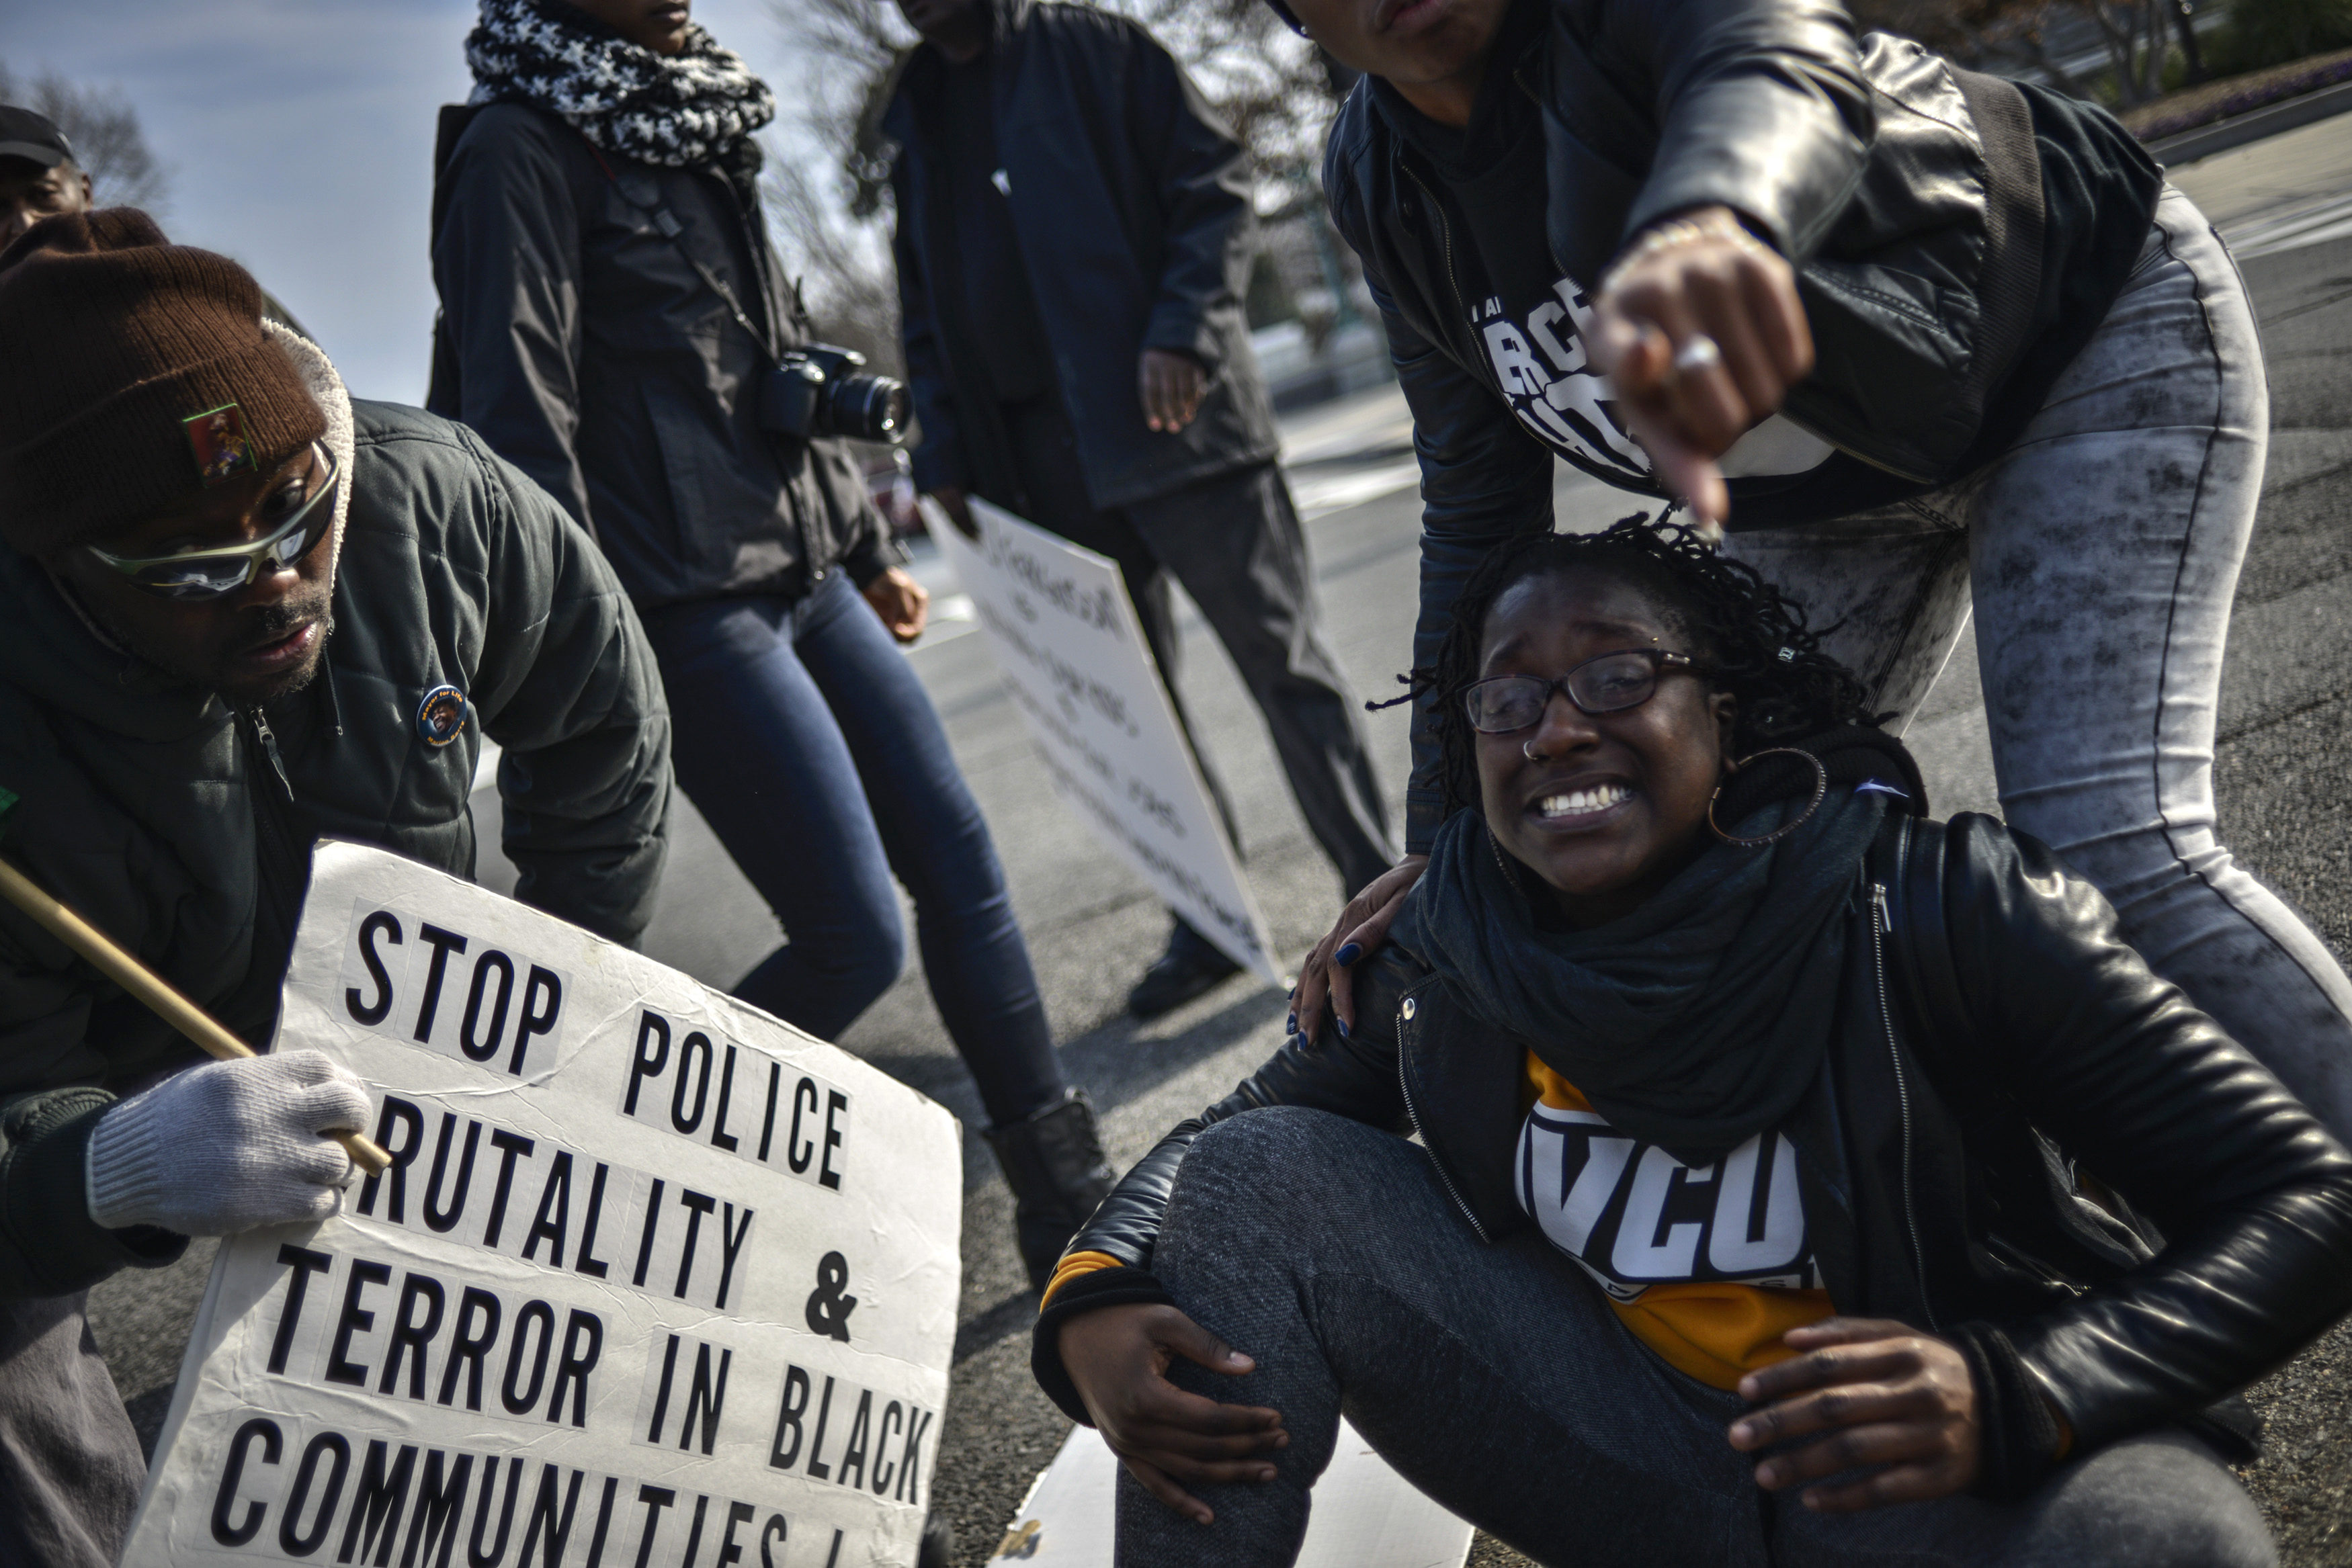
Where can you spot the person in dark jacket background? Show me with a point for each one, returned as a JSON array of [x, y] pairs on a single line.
[[38, 176], [1073, 233], [1936, 340], [1746, 1223], [610, 304], [245, 612]]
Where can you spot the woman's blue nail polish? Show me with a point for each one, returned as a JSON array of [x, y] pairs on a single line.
[[1348, 955], [1291, 1027], [1343, 1025]]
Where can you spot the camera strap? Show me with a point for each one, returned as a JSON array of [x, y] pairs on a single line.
[[674, 231], [672, 228]]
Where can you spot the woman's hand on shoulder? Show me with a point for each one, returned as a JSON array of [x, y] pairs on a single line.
[[1699, 326], [1326, 975], [1118, 1357], [1886, 1398]]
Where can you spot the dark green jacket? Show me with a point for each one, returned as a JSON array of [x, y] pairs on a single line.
[[144, 805]]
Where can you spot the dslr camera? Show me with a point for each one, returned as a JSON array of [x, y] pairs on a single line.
[[815, 392]]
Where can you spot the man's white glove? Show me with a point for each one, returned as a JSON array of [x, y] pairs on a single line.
[[227, 1146]]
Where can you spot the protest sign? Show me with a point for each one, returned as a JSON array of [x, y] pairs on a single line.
[[655, 1281], [1067, 642]]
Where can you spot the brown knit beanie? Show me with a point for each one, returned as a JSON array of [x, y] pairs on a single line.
[[112, 340]]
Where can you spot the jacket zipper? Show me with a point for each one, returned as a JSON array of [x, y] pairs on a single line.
[[269, 739], [1404, 1082], [1444, 235], [1880, 925], [278, 849]]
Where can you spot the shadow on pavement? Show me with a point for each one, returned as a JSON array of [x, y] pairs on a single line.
[[1118, 1061], [1127, 1059]]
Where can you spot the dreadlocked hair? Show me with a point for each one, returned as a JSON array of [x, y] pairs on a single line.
[[1751, 639]]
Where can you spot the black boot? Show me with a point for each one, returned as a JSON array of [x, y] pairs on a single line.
[[939, 1544], [1192, 964], [1054, 1163]]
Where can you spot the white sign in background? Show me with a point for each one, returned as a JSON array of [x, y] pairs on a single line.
[[656, 1279], [1072, 652]]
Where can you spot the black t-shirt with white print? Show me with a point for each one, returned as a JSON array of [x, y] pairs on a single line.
[[1524, 312]]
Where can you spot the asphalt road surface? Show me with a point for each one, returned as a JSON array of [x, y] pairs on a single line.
[[2286, 742]]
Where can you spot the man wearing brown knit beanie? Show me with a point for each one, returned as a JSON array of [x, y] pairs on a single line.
[[242, 610]]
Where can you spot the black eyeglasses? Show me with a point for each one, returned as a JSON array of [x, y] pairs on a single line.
[[1610, 684], [211, 573]]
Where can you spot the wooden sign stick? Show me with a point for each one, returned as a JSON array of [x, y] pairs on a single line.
[[155, 991]]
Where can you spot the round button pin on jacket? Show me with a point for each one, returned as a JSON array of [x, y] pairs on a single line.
[[441, 716]]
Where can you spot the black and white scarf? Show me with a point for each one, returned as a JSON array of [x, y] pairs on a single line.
[[697, 106]]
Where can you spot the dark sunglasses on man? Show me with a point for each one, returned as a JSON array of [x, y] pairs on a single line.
[[1610, 683], [212, 573]]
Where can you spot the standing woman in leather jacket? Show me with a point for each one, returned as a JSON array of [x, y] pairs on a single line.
[[610, 307], [1747, 1223], [1913, 334]]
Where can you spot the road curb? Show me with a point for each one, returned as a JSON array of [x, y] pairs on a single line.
[[2291, 114]]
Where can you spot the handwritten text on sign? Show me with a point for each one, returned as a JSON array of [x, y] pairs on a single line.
[[653, 1279], [1075, 663]]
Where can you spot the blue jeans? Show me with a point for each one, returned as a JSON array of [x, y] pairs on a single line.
[[800, 732], [2102, 554], [1497, 1380]]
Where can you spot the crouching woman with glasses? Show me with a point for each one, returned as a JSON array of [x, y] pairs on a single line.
[[1801, 1179]]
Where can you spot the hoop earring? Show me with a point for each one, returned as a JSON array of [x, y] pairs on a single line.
[[1820, 790]]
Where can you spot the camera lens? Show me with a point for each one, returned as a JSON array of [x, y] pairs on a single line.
[[869, 408], [891, 410]]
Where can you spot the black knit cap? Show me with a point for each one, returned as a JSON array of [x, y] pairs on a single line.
[[114, 343]]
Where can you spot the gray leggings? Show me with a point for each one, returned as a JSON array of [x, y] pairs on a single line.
[[2102, 551], [1497, 1380]]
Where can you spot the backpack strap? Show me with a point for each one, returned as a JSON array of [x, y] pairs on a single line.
[[442, 393], [2092, 1215], [1925, 939]]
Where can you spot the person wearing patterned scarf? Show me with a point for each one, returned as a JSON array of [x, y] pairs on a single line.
[[655, 89], [610, 306]]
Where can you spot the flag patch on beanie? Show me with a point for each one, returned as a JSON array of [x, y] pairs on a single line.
[[218, 438]]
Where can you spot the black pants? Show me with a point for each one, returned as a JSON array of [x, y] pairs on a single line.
[[1234, 542]]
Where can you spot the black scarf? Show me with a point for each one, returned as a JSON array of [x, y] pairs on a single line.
[[1697, 1021], [685, 110]]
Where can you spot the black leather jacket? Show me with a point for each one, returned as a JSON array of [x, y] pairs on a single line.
[[1993, 1030], [1907, 193]]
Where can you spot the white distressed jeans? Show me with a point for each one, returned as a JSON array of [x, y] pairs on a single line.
[[2101, 552]]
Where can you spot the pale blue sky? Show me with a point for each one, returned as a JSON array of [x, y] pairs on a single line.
[[299, 134]]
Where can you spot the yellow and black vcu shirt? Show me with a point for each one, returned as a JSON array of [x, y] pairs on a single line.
[[1707, 1265]]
